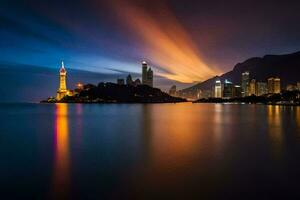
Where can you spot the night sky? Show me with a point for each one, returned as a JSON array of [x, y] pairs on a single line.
[[184, 41]]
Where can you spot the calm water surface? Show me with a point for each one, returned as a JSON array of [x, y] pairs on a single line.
[[169, 151]]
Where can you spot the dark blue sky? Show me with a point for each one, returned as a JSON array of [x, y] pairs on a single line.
[[184, 41]]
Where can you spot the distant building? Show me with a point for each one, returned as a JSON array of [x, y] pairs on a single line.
[[150, 77], [228, 89], [144, 72], [245, 84], [137, 82], [218, 89], [274, 85], [147, 75], [129, 80], [291, 87], [261, 88], [236, 91], [120, 81], [252, 87], [172, 90], [62, 90], [204, 94]]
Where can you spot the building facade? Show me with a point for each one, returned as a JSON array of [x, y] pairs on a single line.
[[150, 77], [252, 87], [218, 89], [204, 94], [228, 89], [274, 85], [261, 88], [236, 91], [144, 72], [147, 75], [245, 84]]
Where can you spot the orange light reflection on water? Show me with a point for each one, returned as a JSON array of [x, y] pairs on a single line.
[[275, 129], [298, 116], [174, 141], [61, 159]]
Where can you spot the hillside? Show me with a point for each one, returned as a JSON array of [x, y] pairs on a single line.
[[287, 67], [114, 93]]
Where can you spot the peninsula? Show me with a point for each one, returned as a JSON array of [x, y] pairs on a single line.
[[114, 93]]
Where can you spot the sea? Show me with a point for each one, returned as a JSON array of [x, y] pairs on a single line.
[[149, 151]]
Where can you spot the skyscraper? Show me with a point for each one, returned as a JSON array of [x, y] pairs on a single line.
[[144, 72], [62, 90], [147, 75], [236, 91], [274, 85], [150, 77], [252, 87], [298, 86], [218, 89], [228, 89], [245, 84]]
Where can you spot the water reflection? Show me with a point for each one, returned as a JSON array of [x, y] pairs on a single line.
[[275, 129], [172, 138], [78, 120], [298, 116], [61, 159]]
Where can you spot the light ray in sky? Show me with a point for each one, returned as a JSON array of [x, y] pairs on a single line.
[[167, 43]]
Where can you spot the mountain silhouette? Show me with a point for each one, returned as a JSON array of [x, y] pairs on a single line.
[[286, 67]]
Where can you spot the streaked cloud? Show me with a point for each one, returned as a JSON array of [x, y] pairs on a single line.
[[167, 44]]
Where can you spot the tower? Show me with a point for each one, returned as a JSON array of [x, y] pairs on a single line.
[[62, 90]]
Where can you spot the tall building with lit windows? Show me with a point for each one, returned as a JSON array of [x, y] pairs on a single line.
[[218, 89], [252, 87], [62, 90], [147, 75], [245, 84], [274, 85], [236, 91], [228, 89], [144, 72]]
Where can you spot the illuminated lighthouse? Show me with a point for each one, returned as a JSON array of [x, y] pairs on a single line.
[[62, 90]]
